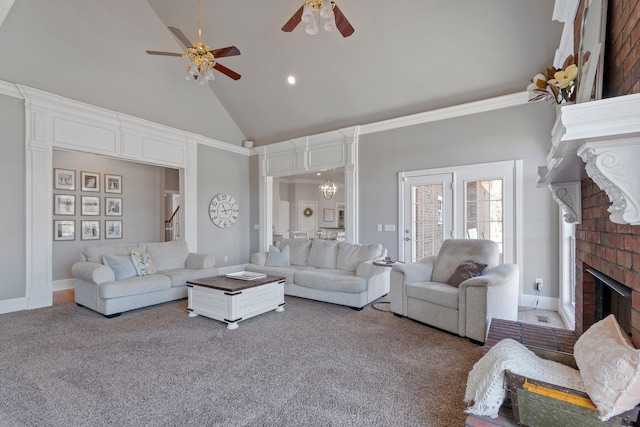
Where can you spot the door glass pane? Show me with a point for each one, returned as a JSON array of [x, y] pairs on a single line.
[[483, 209], [427, 221]]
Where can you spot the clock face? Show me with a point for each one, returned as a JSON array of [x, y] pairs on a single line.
[[223, 210]]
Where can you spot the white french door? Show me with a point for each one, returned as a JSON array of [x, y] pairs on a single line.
[[477, 202], [428, 216]]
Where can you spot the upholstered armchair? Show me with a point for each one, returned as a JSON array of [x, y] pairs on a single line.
[[422, 290]]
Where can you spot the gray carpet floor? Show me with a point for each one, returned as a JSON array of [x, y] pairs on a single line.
[[314, 364]]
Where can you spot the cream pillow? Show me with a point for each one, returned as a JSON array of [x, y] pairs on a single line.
[[610, 368], [277, 257]]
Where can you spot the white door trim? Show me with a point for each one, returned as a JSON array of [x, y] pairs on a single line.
[[461, 171]]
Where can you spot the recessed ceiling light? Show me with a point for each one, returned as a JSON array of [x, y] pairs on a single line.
[[291, 80]]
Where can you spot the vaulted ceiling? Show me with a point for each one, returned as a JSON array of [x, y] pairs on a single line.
[[405, 57]]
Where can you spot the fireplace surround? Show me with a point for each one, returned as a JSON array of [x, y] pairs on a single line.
[[592, 172]]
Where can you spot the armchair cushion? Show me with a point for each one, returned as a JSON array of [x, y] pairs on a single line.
[[466, 270], [610, 368], [455, 251], [434, 292]]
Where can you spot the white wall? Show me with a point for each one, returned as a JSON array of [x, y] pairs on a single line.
[[521, 132]]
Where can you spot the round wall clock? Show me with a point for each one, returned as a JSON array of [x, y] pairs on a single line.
[[223, 210]]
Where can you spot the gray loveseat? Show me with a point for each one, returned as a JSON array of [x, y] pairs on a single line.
[[330, 271], [104, 281]]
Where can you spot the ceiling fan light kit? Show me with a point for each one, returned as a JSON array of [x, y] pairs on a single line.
[[311, 12]]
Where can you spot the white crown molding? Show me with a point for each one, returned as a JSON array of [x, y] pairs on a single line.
[[9, 89], [5, 8], [568, 195], [67, 106], [214, 143], [469, 108]]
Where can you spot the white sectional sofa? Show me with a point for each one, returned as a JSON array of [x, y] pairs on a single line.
[[105, 283], [328, 270]]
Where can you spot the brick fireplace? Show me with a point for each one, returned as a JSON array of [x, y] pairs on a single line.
[[613, 249]]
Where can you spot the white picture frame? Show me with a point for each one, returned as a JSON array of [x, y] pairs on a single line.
[[90, 205], [64, 179], [64, 230], [113, 206], [90, 181], [328, 215], [112, 183], [113, 229], [64, 204], [90, 230]]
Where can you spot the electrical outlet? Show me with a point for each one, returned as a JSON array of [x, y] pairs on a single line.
[[379, 227], [226, 258], [539, 284]]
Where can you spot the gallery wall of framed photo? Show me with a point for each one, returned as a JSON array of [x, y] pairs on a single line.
[[113, 201], [81, 196]]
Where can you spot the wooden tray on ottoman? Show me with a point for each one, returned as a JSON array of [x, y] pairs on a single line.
[[232, 300]]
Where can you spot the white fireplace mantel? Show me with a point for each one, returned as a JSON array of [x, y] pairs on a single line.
[[601, 138]]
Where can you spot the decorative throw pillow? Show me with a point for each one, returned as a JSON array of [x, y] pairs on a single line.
[[609, 366], [278, 257], [143, 263], [121, 265], [466, 270]]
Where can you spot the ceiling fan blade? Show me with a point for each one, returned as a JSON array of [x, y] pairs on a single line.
[[293, 22], [180, 35], [225, 51], [224, 70], [342, 24], [155, 52]]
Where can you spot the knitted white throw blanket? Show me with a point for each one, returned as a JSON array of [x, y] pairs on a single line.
[[485, 384]]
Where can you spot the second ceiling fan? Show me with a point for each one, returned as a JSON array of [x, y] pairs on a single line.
[[203, 58], [334, 18]]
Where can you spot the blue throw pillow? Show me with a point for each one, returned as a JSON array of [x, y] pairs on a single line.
[[122, 266], [278, 258]]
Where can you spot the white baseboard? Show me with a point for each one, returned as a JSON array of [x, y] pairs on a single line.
[[61, 285], [567, 313], [545, 303], [11, 305]]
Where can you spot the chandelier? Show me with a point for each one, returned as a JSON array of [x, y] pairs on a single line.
[[322, 8], [328, 189]]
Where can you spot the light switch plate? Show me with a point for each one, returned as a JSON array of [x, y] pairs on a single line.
[[389, 227]]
